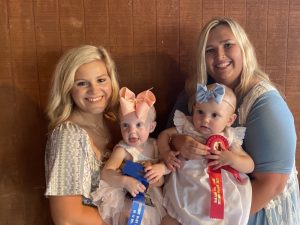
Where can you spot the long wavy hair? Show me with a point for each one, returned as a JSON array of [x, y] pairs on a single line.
[[60, 103], [250, 70]]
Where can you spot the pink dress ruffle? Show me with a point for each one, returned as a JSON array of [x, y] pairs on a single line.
[[114, 207]]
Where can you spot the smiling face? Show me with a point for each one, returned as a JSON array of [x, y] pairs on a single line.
[[223, 56], [135, 132], [92, 87], [211, 118]]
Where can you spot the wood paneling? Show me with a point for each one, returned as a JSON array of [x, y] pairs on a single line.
[[153, 43]]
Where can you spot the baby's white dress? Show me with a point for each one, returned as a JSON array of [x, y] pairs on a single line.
[[114, 207], [187, 190]]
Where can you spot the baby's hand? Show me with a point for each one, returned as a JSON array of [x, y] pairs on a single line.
[[154, 172], [171, 160], [220, 158], [133, 186]]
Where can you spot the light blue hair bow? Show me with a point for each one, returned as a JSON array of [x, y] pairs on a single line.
[[203, 95]]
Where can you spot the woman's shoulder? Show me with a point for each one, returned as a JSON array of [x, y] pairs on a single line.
[[67, 133], [261, 90], [68, 128], [270, 102], [261, 96]]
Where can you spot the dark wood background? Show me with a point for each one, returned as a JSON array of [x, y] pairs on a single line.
[[152, 42]]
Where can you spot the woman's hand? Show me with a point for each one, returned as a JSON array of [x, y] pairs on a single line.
[[188, 147]]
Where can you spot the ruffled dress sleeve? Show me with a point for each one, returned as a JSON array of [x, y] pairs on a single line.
[[184, 125], [235, 135], [70, 163], [181, 122]]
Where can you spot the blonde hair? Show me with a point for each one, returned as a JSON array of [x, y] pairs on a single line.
[[151, 114], [60, 104], [250, 70]]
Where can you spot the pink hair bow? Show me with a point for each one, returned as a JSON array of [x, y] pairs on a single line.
[[139, 104]]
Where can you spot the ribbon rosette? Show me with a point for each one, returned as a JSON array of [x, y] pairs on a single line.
[[215, 178], [139, 104], [204, 95]]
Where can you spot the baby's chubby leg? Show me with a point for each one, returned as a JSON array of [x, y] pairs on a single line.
[[168, 220]]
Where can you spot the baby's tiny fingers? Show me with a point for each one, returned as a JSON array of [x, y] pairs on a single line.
[[148, 168]]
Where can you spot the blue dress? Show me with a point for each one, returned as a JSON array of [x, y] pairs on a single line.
[[270, 140]]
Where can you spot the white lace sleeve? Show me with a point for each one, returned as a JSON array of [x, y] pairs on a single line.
[[180, 120], [184, 125], [238, 134]]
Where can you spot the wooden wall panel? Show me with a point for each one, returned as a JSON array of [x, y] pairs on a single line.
[[144, 23], [96, 22], [167, 58], [237, 10], [120, 23], [212, 8], [257, 12], [190, 16], [153, 43], [277, 40], [47, 35], [5, 60], [71, 17], [292, 90]]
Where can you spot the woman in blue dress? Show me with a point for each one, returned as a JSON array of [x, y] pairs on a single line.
[[225, 55]]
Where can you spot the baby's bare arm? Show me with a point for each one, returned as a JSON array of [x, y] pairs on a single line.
[[111, 175], [236, 158], [163, 143]]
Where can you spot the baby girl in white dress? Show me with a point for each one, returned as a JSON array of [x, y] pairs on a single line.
[[188, 191], [137, 121]]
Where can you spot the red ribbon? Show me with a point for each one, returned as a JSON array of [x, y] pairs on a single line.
[[216, 194], [215, 178]]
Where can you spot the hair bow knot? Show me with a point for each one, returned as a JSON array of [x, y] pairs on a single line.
[[204, 95], [139, 104]]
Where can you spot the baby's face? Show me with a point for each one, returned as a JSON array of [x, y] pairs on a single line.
[[135, 131], [211, 118]]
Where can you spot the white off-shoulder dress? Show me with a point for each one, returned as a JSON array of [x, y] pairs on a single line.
[[187, 190]]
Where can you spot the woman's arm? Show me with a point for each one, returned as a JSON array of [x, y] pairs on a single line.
[[67, 177], [266, 186], [110, 173], [69, 210], [270, 140]]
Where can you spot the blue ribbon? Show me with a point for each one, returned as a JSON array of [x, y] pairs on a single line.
[[136, 170], [137, 210], [204, 95]]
